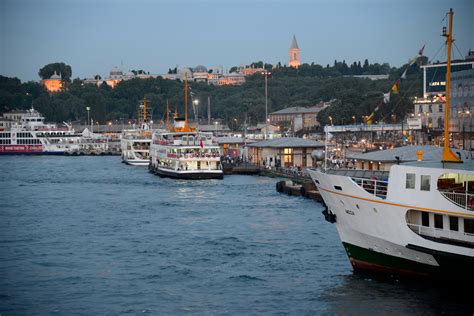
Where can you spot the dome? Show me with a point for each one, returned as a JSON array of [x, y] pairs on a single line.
[[200, 68], [116, 72], [55, 76]]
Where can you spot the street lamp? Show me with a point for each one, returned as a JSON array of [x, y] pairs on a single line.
[[330, 119], [88, 120], [266, 74], [196, 109], [354, 118]]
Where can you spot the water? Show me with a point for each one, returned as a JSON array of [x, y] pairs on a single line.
[[89, 235]]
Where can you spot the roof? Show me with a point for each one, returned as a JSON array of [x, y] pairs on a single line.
[[405, 153], [232, 140], [288, 142], [294, 44], [298, 110]]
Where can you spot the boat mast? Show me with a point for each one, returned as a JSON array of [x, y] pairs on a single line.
[[186, 126], [448, 155], [167, 115]]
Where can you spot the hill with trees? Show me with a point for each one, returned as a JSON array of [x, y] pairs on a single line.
[[305, 86]]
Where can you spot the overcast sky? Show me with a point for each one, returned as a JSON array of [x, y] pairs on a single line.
[[93, 36]]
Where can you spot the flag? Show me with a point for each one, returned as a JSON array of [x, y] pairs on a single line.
[[370, 118], [395, 86], [420, 52], [404, 74], [386, 97], [201, 143]]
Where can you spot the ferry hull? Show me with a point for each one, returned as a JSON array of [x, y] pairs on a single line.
[[26, 150], [450, 268], [377, 239], [143, 163], [202, 175]]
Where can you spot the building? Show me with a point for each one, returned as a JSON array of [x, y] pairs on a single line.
[[233, 146], [54, 83], [284, 152], [434, 76], [294, 52], [430, 111], [230, 79], [462, 106], [297, 117]]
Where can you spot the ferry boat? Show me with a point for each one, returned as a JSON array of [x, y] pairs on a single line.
[[31, 135], [184, 153], [135, 143], [417, 220]]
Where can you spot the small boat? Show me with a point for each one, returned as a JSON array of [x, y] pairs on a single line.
[[182, 152], [135, 143], [416, 220]]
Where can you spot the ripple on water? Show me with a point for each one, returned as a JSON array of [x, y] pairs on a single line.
[[89, 235]]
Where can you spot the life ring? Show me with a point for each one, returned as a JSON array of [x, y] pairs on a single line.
[[470, 202]]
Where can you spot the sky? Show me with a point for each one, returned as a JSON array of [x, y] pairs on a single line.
[[93, 36]]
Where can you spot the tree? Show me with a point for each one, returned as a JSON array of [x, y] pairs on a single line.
[[60, 68]]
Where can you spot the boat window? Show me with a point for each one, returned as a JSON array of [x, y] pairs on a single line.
[[425, 183], [410, 181], [456, 182], [425, 219], [453, 223], [337, 187], [438, 221], [469, 226]]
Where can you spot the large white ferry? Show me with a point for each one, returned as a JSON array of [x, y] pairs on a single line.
[[182, 152], [415, 220], [31, 135], [135, 143]]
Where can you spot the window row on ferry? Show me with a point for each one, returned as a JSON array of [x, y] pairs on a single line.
[[28, 141]]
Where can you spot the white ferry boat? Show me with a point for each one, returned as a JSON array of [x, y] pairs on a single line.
[[32, 136], [416, 220], [135, 143], [184, 153]]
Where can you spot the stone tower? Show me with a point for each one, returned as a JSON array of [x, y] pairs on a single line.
[[294, 54]]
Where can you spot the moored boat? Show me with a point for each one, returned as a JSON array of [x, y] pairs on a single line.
[[416, 220], [32, 136], [135, 143], [182, 152]]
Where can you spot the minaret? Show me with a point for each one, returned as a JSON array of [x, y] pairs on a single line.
[[294, 54]]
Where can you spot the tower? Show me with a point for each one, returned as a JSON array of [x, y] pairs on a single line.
[[294, 54]]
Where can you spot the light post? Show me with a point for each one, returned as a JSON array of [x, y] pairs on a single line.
[[196, 109], [354, 118], [266, 73], [88, 120]]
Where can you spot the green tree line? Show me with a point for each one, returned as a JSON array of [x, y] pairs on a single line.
[[287, 87]]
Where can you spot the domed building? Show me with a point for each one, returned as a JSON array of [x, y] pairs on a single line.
[[200, 73], [54, 83]]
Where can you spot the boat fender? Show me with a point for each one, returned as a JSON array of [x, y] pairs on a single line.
[[303, 191], [279, 186]]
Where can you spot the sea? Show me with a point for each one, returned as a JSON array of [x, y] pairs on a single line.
[[93, 236]]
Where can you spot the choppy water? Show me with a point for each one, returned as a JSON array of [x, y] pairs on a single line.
[[89, 235]]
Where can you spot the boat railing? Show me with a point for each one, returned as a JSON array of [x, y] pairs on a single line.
[[373, 186], [441, 233], [464, 200], [192, 156]]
